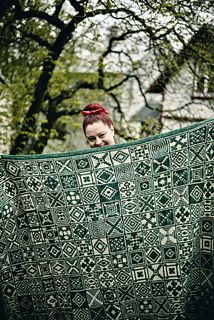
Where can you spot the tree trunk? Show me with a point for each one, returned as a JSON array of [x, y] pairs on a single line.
[[29, 123]]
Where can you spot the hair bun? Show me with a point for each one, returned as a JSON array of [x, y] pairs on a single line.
[[94, 108]]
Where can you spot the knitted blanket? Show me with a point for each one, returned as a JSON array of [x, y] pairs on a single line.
[[120, 232]]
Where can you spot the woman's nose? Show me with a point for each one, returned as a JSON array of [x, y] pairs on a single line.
[[98, 141]]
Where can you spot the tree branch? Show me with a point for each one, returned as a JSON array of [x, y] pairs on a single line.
[[127, 77], [5, 5], [77, 5], [38, 39], [53, 20], [52, 116], [184, 118], [58, 8]]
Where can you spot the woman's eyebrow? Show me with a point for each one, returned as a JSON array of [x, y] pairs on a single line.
[[97, 134], [102, 132]]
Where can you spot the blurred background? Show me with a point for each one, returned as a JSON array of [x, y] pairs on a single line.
[[149, 63]]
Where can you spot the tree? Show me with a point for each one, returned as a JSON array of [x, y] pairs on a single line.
[[46, 44]]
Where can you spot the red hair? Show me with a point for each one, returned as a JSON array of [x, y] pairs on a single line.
[[95, 112]]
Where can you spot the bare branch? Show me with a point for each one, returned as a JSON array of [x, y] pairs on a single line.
[[119, 109], [120, 83], [184, 118]]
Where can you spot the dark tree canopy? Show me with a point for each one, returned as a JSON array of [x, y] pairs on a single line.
[[47, 45]]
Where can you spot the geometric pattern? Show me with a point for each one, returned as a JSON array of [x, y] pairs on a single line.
[[115, 233]]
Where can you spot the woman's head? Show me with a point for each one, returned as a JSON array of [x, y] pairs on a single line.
[[97, 126]]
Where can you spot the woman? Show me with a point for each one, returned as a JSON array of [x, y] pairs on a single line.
[[97, 126]]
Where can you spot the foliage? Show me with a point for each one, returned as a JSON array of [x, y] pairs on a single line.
[[59, 55]]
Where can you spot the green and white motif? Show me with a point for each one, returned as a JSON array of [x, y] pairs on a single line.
[[120, 232]]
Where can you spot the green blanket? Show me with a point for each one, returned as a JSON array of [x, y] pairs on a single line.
[[120, 232]]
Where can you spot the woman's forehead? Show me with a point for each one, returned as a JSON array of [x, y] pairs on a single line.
[[96, 127]]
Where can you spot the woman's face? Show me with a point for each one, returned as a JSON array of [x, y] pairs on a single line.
[[99, 134]]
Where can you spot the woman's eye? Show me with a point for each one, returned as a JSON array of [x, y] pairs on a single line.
[[91, 139], [102, 135]]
